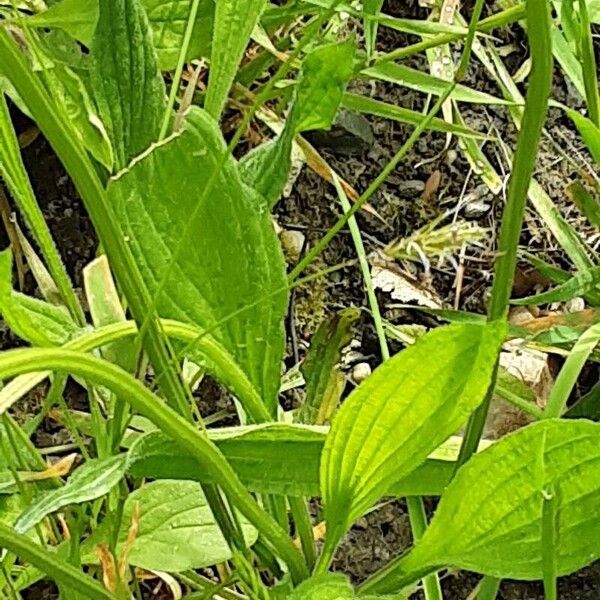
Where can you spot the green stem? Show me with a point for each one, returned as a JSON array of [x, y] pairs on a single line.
[[416, 508], [549, 542], [57, 131], [50, 564], [534, 116], [385, 173], [500, 19], [180, 64], [567, 378], [418, 523], [304, 529], [588, 64], [15, 362]]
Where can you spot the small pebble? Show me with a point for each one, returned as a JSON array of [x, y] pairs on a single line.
[[292, 243], [360, 372]]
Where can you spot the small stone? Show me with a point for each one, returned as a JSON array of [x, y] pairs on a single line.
[[574, 305], [360, 372], [292, 243]]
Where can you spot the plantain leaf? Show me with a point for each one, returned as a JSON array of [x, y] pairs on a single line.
[[333, 586], [325, 74], [276, 459], [176, 528], [589, 132], [490, 518], [36, 321], [73, 98], [218, 252], [580, 284], [92, 480], [234, 22], [401, 413], [76, 17], [126, 82], [168, 21], [321, 368], [323, 79]]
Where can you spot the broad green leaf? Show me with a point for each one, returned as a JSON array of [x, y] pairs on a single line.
[[580, 284], [333, 586], [370, 106], [321, 368], [176, 529], [325, 74], [587, 407], [587, 203], [490, 518], [126, 82], [589, 132], [234, 22], [77, 17], [218, 252], [266, 168], [92, 480], [72, 96], [323, 79], [277, 459], [401, 413], [274, 459], [427, 84], [168, 20], [36, 321]]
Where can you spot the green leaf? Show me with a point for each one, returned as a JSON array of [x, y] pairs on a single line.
[[427, 84], [333, 586], [370, 106], [325, 74], [126, 83], [219, 255], [33, 320], [276, 459], [589, 132], [176, 530], [234, 22], [490, 518], [92, 480], [323, 79], [71, 95], [77, 17], [589, 205], [580, 284], [266, 168], [587, 407], [168, 20], [401, 413], [321, 368]]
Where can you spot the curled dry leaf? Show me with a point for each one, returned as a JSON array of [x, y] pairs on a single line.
[[388, 277]]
